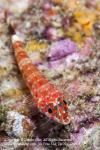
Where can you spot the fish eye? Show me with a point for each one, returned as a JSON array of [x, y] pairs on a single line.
[[58, 99], [64, 102], [50, 110]]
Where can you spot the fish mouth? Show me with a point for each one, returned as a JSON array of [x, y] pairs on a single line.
[[63, 118], [64, 122]]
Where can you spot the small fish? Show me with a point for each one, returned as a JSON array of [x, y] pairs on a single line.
[[47, 97]]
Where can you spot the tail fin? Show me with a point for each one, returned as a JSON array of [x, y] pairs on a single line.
[[16, 38]]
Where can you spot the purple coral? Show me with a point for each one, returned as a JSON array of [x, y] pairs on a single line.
[[61, 49]]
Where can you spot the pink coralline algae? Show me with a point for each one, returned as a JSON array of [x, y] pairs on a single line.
[[56, 64], [2, 14], [61, 49], [86, 50], [46, 6], [50, 33]]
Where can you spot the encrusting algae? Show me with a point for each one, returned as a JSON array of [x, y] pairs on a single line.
[[35, 45]]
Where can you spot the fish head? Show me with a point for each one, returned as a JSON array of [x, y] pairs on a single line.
[[58, 111]]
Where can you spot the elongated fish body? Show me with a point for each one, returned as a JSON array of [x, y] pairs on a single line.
[[47, 97]]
